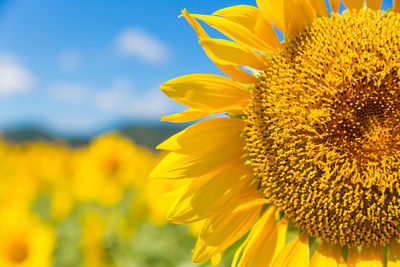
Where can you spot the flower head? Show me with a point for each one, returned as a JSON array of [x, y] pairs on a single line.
[[310, 142], [109, 165], [24, 240]]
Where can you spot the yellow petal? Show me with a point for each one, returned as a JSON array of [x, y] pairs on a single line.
[[225, 52], [187, 115], [295, 254], [251, 18], [320, 7], [264, 29], [298, 14], [208, 92], [210, 192], [353, 4], [262, 228], [327, 256], [171, 189], [222, 230], [242, 14], [374, 4], [264, 242], [178, 166], [237, 32], [232, 71], [248, 200], [273, 12], [366, 258], [269, 250], [201, 33], [196, 138], [237, 74], [394, 254], [215, 260], [335, 5], [396, 5]]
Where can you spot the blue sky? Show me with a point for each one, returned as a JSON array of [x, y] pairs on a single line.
[[76, 67]]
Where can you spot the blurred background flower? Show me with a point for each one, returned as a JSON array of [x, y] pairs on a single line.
[[91, 205]]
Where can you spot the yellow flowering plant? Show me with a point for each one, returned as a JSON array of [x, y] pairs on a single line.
[[310, 141]]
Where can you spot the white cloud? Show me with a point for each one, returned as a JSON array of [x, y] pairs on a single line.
[[74, 124], [70, 92], [138, 43], [14, 77], [114, 97], [121, 99], [70, 60], [118, 99]]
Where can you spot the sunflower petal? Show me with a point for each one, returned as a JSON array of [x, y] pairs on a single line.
[[178, 166], [327, 256], [269, 249], [248, 200], [396, 5], [196, 138], [264, 29], [237, 74], [186, 116], [208, 92], [232, 71], [335, 5], [242, 14], [207, 193], [273, 12], [353, 4], [225, 52], [374, 4], [216, 259], [264, 242], [222, 230], [237, 32], [394, 254], [201, 33], [367, 257], [298, 14], [320, 7], [295, 254], [251, 18]]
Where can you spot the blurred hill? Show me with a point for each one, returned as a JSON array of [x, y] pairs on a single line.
[[150, 136], [145, 135]]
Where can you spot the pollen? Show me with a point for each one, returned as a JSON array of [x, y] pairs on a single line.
[[323, 131]]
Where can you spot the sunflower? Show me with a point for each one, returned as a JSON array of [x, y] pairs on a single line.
[[24, 240], [310, 141], [111, 164]]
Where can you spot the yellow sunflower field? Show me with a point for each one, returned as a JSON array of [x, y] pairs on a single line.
[[91, 205]]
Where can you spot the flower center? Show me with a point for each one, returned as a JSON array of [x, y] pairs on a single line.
[[18, 251], [323, 128], [111, 164]]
